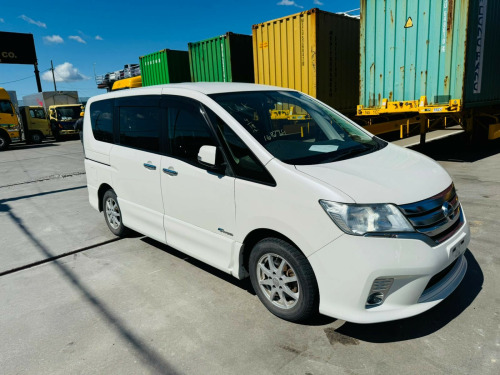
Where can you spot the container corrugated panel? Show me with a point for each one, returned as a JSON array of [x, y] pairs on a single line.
[[429, 58], [315, 52], [165, 66], [482, 82], [226, 58]]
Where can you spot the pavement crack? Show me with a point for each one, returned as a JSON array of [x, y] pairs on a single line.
[[47, 178], [51, 259]]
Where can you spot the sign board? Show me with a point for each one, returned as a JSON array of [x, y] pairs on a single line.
[[17, 48]]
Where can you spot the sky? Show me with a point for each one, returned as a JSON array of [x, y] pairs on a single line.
[[95, 37]]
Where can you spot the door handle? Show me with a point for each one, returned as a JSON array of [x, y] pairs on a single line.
[[150, 166], [170, 172]]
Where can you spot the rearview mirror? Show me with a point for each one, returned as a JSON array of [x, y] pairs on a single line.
[[207, 155]]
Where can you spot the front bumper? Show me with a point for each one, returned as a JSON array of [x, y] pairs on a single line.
[[346, 268]]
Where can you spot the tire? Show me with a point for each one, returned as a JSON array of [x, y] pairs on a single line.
[[4, 142], [112, 214], [36, 137], [291, 292]]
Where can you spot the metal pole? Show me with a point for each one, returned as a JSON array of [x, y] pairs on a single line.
[[37, 76], [53, 76]]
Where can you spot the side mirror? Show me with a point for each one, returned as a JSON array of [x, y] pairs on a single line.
[[207, 155]]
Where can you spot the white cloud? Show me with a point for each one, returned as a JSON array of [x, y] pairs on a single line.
[[53, 39], [77, 38], [32, 21], [64, 73], [317, 2], [289, 3], [2, 20], [97, 37]]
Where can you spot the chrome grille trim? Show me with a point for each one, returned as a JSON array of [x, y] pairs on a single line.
[[429, 218]]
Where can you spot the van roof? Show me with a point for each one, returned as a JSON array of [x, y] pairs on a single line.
[[206, 88]]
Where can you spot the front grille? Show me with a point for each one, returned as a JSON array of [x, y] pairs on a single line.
[[438, 217]]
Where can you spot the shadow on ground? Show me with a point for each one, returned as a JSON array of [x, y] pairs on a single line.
[[244, 284], [457, 148], [428, 322], [147, 354]]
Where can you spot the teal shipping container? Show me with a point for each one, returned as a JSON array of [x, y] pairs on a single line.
[[225, 58], [441, 49], [165, 66]]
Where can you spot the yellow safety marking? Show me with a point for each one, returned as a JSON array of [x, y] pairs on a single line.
[[301, 132], [409, 23]]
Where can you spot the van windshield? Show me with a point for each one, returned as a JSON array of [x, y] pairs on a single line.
[[297, 129]]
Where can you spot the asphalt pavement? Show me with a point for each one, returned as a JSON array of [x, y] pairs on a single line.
[[74, 299]]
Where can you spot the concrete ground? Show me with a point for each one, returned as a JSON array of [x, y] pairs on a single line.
[[74, 300]]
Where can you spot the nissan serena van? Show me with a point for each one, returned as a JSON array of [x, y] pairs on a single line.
[[272, 184]]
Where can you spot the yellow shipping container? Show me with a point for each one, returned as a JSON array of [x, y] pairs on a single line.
[[315, 52]]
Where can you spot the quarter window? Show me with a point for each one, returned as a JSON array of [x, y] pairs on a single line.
[[140, 127], [101, 118]]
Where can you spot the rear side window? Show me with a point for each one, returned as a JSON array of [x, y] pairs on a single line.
[[140, 127], [101, 118]]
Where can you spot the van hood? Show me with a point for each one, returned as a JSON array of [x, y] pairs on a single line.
[[390, 175]]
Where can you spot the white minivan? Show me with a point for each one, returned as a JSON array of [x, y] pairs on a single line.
[[271, 183]]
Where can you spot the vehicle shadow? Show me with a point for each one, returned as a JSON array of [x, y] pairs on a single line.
[[428, 322], [142, 349], [245, 284], [456, 148], [24, 146]]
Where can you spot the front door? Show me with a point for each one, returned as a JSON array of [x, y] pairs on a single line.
[[199, 203]]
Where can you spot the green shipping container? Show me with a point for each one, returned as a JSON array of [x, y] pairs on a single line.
[[441, 49], [225, 58], [165, 66]]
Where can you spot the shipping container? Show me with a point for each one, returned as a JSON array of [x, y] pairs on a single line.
[[225, 58], [446, 51], [315, 52], [165, 66]]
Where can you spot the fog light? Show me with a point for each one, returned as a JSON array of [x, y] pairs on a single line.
[[375, 299], [379, 291]]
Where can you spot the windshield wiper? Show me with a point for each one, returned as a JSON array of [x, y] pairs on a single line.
[[341, 155]]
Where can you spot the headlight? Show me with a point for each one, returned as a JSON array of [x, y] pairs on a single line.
[[360, 219]]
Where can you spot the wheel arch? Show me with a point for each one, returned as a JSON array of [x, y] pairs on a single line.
[[100, 194], [252, 239], [6, 135]]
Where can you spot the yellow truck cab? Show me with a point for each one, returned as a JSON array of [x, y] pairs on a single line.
[[9, 123], [62, 119], [36, 125], [62, 107]]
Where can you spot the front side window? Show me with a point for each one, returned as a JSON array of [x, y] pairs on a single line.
[[244, 163], [101, 118], [6, 107], [37, 113], [295, 128], [140, 127], [187, 131]]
